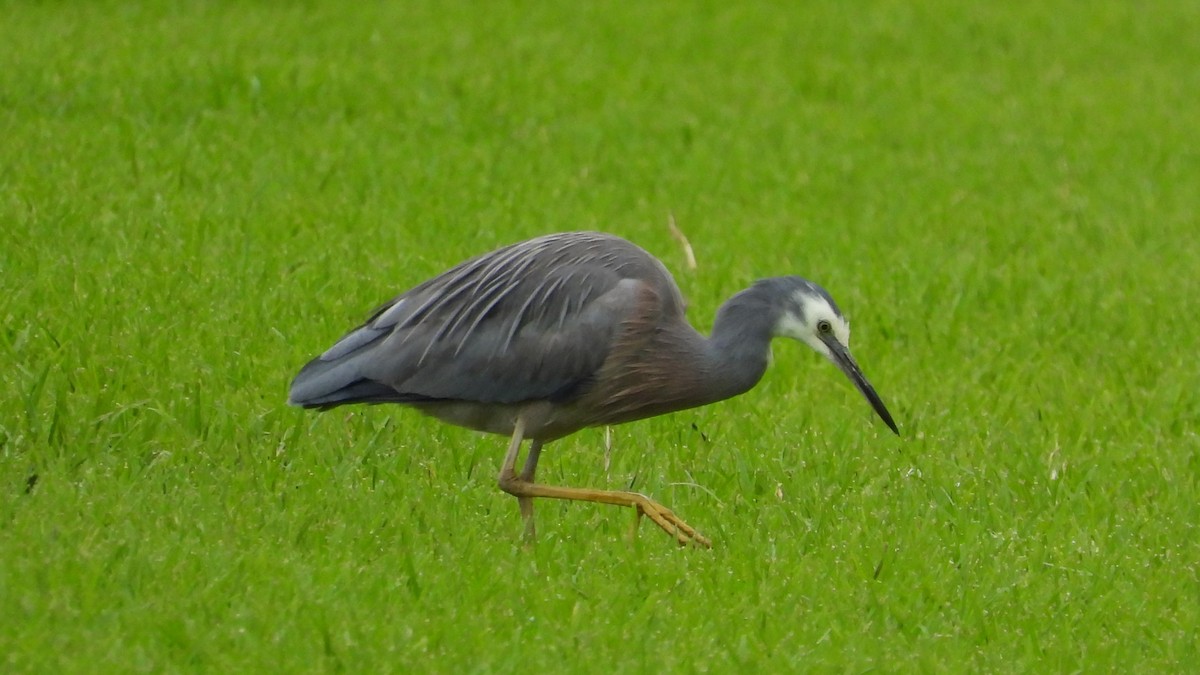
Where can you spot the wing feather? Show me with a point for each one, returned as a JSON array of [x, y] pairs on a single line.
[[525, 322]]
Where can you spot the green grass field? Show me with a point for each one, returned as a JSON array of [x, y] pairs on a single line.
[[195, 198]]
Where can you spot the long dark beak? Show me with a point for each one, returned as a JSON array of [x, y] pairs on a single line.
[[841, 356]]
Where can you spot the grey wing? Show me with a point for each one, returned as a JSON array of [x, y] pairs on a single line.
[[531, 321]]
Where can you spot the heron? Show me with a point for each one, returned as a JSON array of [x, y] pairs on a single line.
[[539, 339]]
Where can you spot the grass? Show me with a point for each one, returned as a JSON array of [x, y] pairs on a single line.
[[197, 197]]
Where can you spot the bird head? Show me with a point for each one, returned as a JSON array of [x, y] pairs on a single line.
[[811, 316]]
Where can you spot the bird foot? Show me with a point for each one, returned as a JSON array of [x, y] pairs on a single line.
[[525, 491], [669, 522]]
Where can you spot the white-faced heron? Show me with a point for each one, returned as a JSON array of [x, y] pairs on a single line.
[[545, 337]]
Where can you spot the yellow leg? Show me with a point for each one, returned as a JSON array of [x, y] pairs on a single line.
[[661, 515], [525, 490], [526, 503], [508, 475]]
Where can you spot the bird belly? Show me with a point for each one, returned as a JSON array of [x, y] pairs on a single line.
[[544, 421], [487, 417]]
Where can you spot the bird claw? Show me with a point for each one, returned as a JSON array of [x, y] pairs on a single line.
[[670, 523]]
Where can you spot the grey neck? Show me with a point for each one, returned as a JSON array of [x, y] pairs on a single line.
[[737, 352]]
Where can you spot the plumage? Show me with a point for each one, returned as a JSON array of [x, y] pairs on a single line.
[[544, 337], [525, 322]]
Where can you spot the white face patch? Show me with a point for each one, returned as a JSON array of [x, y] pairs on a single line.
[[816, 309]]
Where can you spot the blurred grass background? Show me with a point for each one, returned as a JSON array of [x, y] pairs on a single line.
[[197, 197]]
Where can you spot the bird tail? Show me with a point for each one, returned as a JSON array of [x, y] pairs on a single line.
[[325, 384]]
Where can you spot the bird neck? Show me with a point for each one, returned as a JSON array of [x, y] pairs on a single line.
[[740, 345]]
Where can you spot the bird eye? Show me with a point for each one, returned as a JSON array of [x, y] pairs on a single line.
[[824, 326]]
